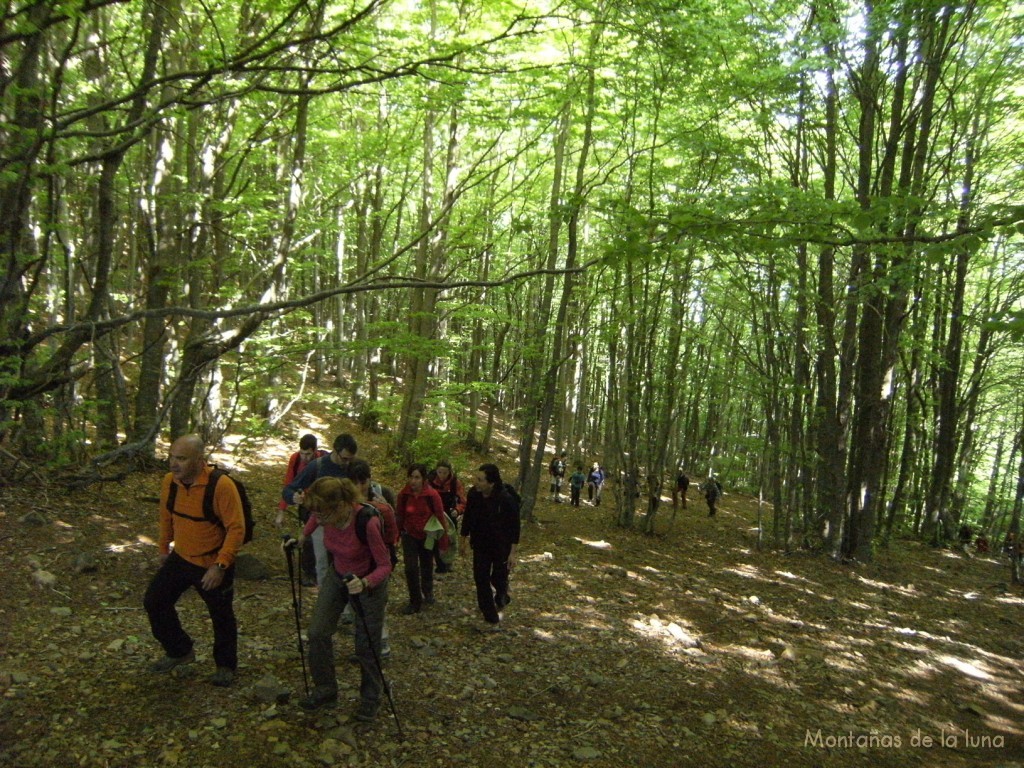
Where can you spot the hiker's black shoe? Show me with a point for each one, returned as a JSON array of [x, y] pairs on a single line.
[[223, 677], [385, 654], [167, 663], [365, 714], [317, 700], [410, 609]]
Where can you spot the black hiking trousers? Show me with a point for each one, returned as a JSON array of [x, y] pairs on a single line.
[[490, 572], [174, 578]]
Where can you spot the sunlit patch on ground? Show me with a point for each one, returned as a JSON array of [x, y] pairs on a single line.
[[594, 544]]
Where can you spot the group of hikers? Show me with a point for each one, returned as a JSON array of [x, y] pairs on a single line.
[[711, 488], [594, 481], [352, 528]]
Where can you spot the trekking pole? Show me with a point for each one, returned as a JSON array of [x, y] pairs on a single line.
[[289, 551], [357, 605]]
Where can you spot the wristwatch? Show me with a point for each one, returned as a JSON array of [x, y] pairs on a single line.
[[221, 566]]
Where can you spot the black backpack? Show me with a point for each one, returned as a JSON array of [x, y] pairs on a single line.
[[511, 491], [208, 514], [367, 512]]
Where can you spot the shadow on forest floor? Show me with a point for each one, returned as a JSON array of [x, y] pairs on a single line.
[[620, 650]]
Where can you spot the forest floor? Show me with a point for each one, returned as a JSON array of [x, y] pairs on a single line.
[[690, 648]]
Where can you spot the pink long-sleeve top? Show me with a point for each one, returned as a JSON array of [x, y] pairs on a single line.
[[370, 561]]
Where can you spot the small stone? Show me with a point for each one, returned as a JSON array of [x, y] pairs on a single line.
[[269, 690], [251, 568], [522, 713], [44, 578], [586, 753]]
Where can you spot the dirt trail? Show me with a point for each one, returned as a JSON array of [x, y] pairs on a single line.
[[620, 650]]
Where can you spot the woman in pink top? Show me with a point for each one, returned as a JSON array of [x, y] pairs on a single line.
[[335, 504], [417, 503]]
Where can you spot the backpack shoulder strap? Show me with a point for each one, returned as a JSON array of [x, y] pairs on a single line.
[[211, 488], [363, 519]]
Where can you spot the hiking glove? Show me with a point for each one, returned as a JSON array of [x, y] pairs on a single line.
[[355, 585]]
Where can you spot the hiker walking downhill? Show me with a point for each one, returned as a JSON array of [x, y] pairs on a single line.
[[595, 484], [576, 483], [557, 471], [712, 492], [203, 559], [682, 485]]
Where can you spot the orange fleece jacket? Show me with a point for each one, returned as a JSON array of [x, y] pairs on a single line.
[[198, 541]]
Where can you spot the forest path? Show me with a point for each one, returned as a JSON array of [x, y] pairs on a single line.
[[687, 649]]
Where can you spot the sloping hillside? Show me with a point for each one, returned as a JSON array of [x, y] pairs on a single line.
[[690, 648]]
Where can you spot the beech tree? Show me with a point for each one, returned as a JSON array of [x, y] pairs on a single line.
[[779, 242]]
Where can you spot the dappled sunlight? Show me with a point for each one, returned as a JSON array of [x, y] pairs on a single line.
[[905, 590], [1009, 600], [853, 662], [746, 652], [140, 543], [537, 558], [594, 544], [970, 668], [795, 577], [746, 571], [675, 635]]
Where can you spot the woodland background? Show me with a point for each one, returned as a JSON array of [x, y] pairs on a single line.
[[779, 241]]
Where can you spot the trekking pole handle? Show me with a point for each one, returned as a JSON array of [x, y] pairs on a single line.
[[288, 542]]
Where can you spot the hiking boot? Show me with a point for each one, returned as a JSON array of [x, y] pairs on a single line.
[[429, 599], [317, 700], [410, 609], [308, 581], [487, 627], [385, 654], [365, 714], [502, 600], [167, 663], [223, 677]]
